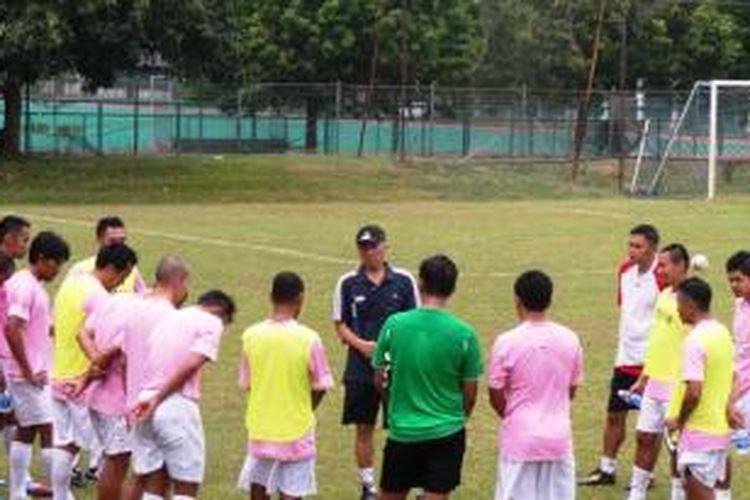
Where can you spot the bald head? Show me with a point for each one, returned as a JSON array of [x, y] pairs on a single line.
[[171, 268], [172, 279]]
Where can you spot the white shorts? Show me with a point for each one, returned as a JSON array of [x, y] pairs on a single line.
[[536, 480], [652, 416], [112, 433], [32, 405], [294, 479], [173, 438], [708, 467], [72, 424], [743, 406]]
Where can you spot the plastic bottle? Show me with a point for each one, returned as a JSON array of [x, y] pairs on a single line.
[[6, 402], [741, 440], [632, 398]]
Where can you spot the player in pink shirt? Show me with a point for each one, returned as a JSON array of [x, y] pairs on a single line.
[[738, 274], [27, 356], [123, 326], [168, 430], [534, 371]]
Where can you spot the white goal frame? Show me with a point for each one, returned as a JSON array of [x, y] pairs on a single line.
[[713, 124]]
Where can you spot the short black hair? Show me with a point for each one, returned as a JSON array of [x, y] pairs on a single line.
[[287, 287], [12, 224], [7, 264], [217, 298], [647, 231], [698, 291], [678, 254], [736, 261], [439, 275], [534, 290], [106, 223], [118, 255], [50, 246]]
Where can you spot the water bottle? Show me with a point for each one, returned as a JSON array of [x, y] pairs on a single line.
[[741, 440], [632, 398], [6, 403]]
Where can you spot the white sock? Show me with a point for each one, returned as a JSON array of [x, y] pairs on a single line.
[[723, 494], [62, 470], [678, 489], [608, 465], [182, 497], [8, 432], [151, 496], [367, 477], [20, 460], [639, 483]]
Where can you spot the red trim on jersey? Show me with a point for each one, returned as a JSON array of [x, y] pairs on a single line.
[[629, 370], [627, 264]]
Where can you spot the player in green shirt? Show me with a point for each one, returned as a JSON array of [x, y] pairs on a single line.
[[428, 362]]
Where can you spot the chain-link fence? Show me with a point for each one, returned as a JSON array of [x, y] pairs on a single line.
[[156, 116]]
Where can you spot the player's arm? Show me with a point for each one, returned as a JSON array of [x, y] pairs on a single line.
[[85, 340], [351, 339], [497, 401], [690, 401], [187, 369], [469, 388], [14, 334]]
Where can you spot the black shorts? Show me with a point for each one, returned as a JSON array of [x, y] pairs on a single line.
[[433, 465], [620, 381], [361, 404]]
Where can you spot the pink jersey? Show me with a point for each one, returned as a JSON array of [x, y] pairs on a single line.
[[3, 317], [28, 300], [147, 312], [741, 332], [109, 324], [535, 365], [190, 330]]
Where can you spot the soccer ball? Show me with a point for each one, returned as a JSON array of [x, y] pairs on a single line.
[[699, 262]]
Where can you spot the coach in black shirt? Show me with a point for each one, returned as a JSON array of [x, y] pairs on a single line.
[[363, 300]]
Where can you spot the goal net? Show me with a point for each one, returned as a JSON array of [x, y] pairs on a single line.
[[703, 148]]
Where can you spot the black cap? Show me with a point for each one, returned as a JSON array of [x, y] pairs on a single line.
[[370, 235]]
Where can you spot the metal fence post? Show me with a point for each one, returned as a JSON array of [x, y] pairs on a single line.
[[432, 119], [238, 121], [136, 111], [100, 128], [27, 123], [337, 126], [178, 128]]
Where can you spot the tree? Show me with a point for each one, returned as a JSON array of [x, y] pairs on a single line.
[[312, 41], [40, 39]]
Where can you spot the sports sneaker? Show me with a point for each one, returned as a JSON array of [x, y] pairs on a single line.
[[37, 489], [92, 474], [368, 493], [597, 477], [77, 478]]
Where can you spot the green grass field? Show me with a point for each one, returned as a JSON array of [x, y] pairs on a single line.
[[306, 223]]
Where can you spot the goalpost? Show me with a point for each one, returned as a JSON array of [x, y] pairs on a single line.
[[713, 125]]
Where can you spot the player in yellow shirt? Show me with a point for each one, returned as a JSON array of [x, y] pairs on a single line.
[[699, 409], [661, 368], [78, 299], [110, 231]]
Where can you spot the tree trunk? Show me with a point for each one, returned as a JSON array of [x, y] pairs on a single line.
[[12, 129], [311, 126]]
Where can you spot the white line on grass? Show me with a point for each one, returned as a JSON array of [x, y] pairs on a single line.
[[286, 252]]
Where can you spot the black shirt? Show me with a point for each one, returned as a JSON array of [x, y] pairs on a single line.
[[364, 306]]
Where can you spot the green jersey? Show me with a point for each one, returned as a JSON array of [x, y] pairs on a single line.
[[429, 354]]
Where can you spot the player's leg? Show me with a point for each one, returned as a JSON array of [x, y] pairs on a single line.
[[677, 489], [19, 458], [258, 492], [112, 476], [184, 490], [696, 490], [403, 469], [443, 461], [155, 484], [66, 447], [180, 436], [613, 435], [361, 407], [724, 487]]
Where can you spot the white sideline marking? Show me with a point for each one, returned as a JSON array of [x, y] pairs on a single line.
[[287, 252]]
